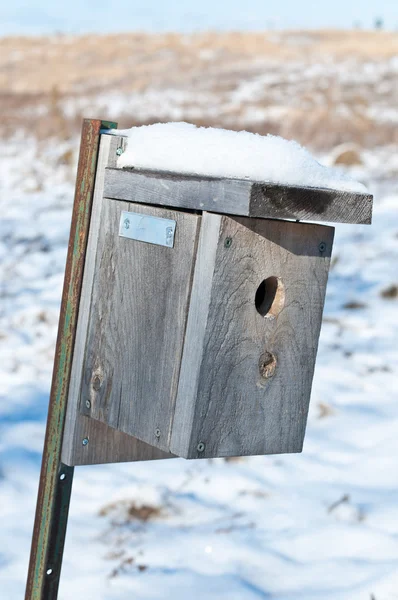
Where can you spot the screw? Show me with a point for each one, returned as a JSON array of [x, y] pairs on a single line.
[[85, 442], [126, 223], [88, 404], [200, 447], [119, 151], [62, 476], [169, 236], [157, 432], [322, 247], [228, 242]]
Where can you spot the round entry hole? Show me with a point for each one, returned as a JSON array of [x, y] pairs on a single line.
[[270, 297]]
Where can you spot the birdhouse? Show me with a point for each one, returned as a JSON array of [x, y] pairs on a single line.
[[200, 313]]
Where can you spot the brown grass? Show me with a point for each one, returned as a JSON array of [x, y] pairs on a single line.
[[131, 511], [390, 293], [319, 79]]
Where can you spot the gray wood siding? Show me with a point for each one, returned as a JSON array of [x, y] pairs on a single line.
[[105, 445], [137, 324], [238, 197], [234, 408]]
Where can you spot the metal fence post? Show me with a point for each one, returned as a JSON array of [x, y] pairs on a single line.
[[56, 478]]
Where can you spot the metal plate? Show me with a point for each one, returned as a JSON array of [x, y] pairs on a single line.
[[146, 228]]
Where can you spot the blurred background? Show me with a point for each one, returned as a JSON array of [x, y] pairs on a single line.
[[320, 525]]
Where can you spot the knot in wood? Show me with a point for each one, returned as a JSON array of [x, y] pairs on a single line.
[[96, 383], [267, 365]]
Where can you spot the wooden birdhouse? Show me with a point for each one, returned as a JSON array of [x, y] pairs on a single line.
[[200, 313]]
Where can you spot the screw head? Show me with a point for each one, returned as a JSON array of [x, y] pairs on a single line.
[[85, 441], [228, 242], [88, 404], [200, 447], [157, 432], [119, 151], [169, 236], [322, 247]]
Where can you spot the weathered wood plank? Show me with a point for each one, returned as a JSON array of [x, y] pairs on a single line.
[[183, 192], [108, 445], [136, 327], [238, 197], [309, 204], [192, 357], [245, 390], [104, 443]]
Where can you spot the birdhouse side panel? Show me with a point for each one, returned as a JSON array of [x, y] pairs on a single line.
[[137, 319], [85, 440]]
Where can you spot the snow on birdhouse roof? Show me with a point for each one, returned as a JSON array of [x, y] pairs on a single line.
[[207, 151]]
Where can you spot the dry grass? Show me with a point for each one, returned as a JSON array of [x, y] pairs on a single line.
[[322, 88], [390, 293], [129, 511]]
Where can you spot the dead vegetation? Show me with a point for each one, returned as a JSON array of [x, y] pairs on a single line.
[[323, 88], [325, 410], [126, 566], [347, 155], [130, 511], [356, 513], [390, 293], [354, 305]]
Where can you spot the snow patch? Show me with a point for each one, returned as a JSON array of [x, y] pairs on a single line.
[[185, 148]]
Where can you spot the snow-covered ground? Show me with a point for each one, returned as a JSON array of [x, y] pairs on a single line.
[[320, 525]]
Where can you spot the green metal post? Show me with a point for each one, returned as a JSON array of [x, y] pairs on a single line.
[[56, 478]]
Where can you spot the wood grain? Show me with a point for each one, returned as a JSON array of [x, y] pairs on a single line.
[[195, 333], [238, 197], [178, 191], [309, 204], [227, 399], [139, 306], [105, 444]]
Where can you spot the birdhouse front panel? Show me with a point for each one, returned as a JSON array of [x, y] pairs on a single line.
[[252, 336]]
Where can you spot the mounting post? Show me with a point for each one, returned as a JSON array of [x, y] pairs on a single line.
[[56, 478]]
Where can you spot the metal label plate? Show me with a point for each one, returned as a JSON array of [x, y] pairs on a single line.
[[145, 228]]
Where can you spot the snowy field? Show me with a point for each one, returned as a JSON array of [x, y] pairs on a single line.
[[315, 526], [323, 524]]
